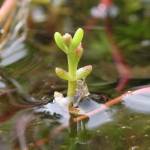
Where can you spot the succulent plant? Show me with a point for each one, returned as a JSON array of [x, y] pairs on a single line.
[[72, 47]]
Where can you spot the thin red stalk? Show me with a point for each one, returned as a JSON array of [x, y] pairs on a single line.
[[123, 69], [21, 126], [106, 2], [101, 108]]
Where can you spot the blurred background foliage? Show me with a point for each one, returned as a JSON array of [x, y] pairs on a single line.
[[130, 30], [130, 26]]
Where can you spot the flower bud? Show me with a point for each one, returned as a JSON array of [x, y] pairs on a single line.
[[79, 51], [67, 39], [61, 73], [83, 72]]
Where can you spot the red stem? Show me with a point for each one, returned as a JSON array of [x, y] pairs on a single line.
[[122, 68], [101, 108], [106, 2]]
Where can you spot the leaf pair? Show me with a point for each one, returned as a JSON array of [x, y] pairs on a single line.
[[72, 43], [73, 49], [81, 73]]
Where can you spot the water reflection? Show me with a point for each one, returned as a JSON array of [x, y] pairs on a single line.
[[2, 84], [12, 44], [14, 52], [98, 119], [138, 101], [54, 128], [85, 107]]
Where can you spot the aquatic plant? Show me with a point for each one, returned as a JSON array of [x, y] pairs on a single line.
[[72, 47]]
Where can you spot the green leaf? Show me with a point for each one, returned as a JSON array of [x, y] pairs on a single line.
[[78, 36], [83, 72], [60, 42], [61, 73]]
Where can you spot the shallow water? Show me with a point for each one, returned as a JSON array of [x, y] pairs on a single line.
[[28, 81]]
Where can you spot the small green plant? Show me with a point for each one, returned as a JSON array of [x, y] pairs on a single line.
[[72, 47]]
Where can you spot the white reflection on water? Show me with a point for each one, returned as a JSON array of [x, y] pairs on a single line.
[[138, 101], [85, 107], [97, 119], [13, 52], [12, 45]]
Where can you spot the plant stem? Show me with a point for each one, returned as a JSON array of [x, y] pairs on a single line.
[[71, 88], [72, 67]]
